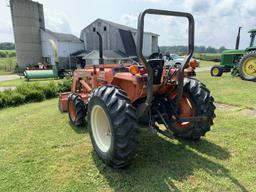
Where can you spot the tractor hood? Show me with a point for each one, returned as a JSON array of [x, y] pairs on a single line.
[[252, 31], [250, 49], [233, 52]]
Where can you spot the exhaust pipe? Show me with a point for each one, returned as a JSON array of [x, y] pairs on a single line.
[[101, 61], [238, 38]]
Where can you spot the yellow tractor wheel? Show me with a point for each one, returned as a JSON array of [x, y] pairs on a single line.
[[248, 67], [216, 71]]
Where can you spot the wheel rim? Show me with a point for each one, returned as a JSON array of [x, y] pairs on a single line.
[[249, 67], [215, 71], [185, 110], [101, 128], [72, 110]]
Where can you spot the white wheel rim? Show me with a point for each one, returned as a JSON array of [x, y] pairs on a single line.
[[101, 128]]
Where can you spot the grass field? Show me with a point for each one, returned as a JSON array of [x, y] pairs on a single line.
[[49, 155], [7, 65], [40, 151], [230, 90], [18, 82], [207, 63], [208, 56], [8, 51]]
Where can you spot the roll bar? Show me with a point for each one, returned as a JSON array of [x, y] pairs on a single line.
[[144, 62]]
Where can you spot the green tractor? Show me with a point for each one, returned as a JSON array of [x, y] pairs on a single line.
[[239, 62]]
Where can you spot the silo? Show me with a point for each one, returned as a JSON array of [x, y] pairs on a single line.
[[27, 19]]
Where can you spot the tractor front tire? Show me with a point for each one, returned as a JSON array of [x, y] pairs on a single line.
[[112, 126], [76, 109], [201, 103], [216, 71], [247, 67]]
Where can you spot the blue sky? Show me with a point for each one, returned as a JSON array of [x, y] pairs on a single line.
[[216, 21]]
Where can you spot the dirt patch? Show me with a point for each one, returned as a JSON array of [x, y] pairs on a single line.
[[245, 112], [226, 107], [203, 69], [248, 112], [8, 77]]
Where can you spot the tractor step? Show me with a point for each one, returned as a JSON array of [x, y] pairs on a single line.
[[192, 119], [168, 133]]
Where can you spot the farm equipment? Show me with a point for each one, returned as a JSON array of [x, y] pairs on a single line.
[[239, 62], [46, 71], [55, 72], [116, 98]]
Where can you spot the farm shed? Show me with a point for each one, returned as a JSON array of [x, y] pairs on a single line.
[[109, 56], [117, 37]]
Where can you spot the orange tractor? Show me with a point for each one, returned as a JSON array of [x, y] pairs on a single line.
[[116, 98]]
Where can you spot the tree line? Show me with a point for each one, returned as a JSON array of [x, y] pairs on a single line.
[[7, 46], [198, 49]]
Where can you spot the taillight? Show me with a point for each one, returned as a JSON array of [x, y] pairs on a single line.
[[134, 69], [193, 63], [142, 71]]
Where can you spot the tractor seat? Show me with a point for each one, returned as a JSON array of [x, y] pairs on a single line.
[[157, 66]]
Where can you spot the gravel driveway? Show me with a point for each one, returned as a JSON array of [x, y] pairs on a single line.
[[8, 77]]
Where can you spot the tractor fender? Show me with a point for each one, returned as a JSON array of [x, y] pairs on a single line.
[[131, 84]]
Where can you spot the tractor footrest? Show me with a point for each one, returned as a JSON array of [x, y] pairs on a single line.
[[168, 133], [192, 119]]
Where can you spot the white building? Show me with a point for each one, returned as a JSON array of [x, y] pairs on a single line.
[[66, 45]]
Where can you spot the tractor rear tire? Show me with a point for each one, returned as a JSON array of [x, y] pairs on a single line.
[[112, 126], [202, 105], [216, 71], [248, 66], [76, 109]]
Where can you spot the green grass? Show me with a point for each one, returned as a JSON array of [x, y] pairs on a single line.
[[7, 65], [207, 63], [40, 151], [6, 73], [10, 83], [230, 90], [18, 82], [8, 51]]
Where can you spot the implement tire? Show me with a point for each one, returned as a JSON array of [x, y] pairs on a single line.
[[196, 101], [76, 109], [112, 126]]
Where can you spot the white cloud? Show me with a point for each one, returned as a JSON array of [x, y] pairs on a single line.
[[153, 1], [197, 5], [216, 21], [58, 22], [5, 26], [6, 33], [129, 20]]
